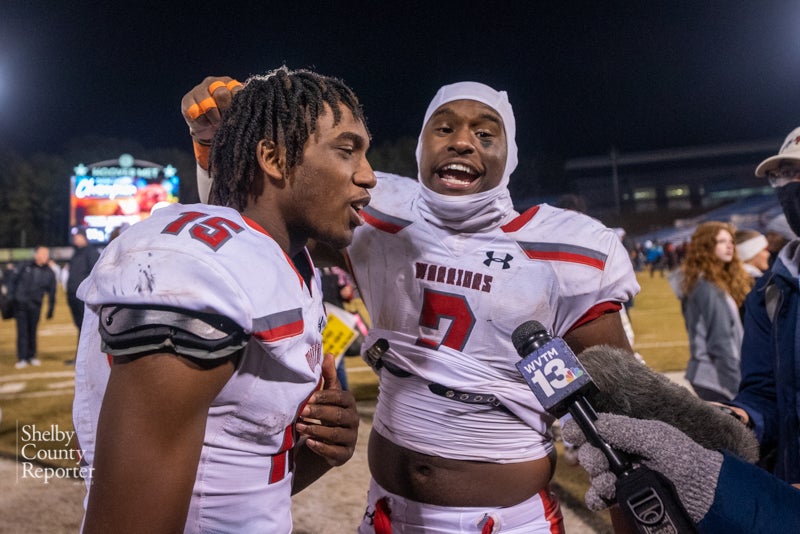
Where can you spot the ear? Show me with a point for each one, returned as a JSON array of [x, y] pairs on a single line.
[[271, 159]]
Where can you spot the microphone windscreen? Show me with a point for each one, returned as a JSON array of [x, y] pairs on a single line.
[[628, 387], [529, 336], [526, 331]]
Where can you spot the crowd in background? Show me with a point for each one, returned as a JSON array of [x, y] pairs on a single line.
[[661, 257]]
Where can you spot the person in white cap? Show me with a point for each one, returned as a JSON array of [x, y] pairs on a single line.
[[447, 269], [769, 395]]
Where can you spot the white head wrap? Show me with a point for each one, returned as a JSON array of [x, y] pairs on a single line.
[[480, 211], [748, 249]]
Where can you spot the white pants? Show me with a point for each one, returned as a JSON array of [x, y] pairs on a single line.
[[541, 514]]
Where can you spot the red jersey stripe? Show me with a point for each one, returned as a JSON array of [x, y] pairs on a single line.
[[561, 255], [382, 221], [280, 332], [596, 311], [518, 222]]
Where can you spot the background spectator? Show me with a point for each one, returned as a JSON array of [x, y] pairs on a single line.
[[83, 259], [33, 281], [753, 249], [670, 259], [714, 285], [6, 292], [654, 258]]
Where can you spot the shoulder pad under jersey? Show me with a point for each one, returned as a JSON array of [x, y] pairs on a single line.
[[128, 330]]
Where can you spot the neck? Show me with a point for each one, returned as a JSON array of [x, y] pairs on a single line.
[[277, 228]]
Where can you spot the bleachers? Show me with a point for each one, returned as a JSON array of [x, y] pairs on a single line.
[[754, 212]]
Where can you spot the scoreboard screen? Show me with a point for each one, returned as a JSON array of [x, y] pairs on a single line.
[[112, 193]]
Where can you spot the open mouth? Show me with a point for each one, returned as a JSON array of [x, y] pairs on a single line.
[[457, 175], [357, 207]]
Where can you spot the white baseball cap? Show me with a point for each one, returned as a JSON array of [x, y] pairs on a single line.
[[790, 150]]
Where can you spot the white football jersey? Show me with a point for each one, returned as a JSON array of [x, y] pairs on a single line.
[[211, 259], [468, 292]]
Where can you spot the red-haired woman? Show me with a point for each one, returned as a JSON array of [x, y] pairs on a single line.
[[714, 286]]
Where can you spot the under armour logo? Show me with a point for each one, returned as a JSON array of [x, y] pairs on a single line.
[[505, 261], [369, 517]]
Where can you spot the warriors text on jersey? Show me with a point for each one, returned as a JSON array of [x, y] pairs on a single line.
[[192, 261], [448, 303]]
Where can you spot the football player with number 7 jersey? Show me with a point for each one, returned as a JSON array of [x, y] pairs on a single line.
[[447, 270], [203, 399]]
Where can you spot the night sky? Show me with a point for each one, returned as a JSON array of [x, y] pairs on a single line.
[[582, 76]]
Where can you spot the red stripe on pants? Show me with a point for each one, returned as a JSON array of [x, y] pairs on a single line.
[[381, 520]]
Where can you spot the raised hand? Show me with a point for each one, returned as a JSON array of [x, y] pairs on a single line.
[[203, 106]]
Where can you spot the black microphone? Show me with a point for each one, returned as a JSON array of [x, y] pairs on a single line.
[[561, 384]]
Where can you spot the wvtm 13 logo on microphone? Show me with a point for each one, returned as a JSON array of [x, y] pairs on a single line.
[[548, 371], [46, 453]]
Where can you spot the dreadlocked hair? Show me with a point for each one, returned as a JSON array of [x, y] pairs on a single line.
[[283, 107], [702, 262]]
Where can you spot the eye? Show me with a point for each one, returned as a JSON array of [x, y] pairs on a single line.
[[484, 134], [347, 150]]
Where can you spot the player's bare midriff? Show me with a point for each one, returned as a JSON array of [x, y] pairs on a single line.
[[447, 482]]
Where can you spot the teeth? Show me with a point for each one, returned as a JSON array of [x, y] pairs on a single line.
[[458, 167], [455, 181]]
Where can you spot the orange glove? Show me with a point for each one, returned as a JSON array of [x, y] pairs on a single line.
[[202, 109]]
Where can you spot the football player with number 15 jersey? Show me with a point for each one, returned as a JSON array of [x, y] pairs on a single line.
[[203, 399]]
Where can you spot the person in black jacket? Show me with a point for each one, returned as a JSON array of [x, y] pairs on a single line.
[[33, 280], [83, 259]]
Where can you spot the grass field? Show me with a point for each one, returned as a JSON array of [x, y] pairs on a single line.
[[658, 325], [42, 396]]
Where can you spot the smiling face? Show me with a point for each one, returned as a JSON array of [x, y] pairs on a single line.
[[328, 189], [464, 149]]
